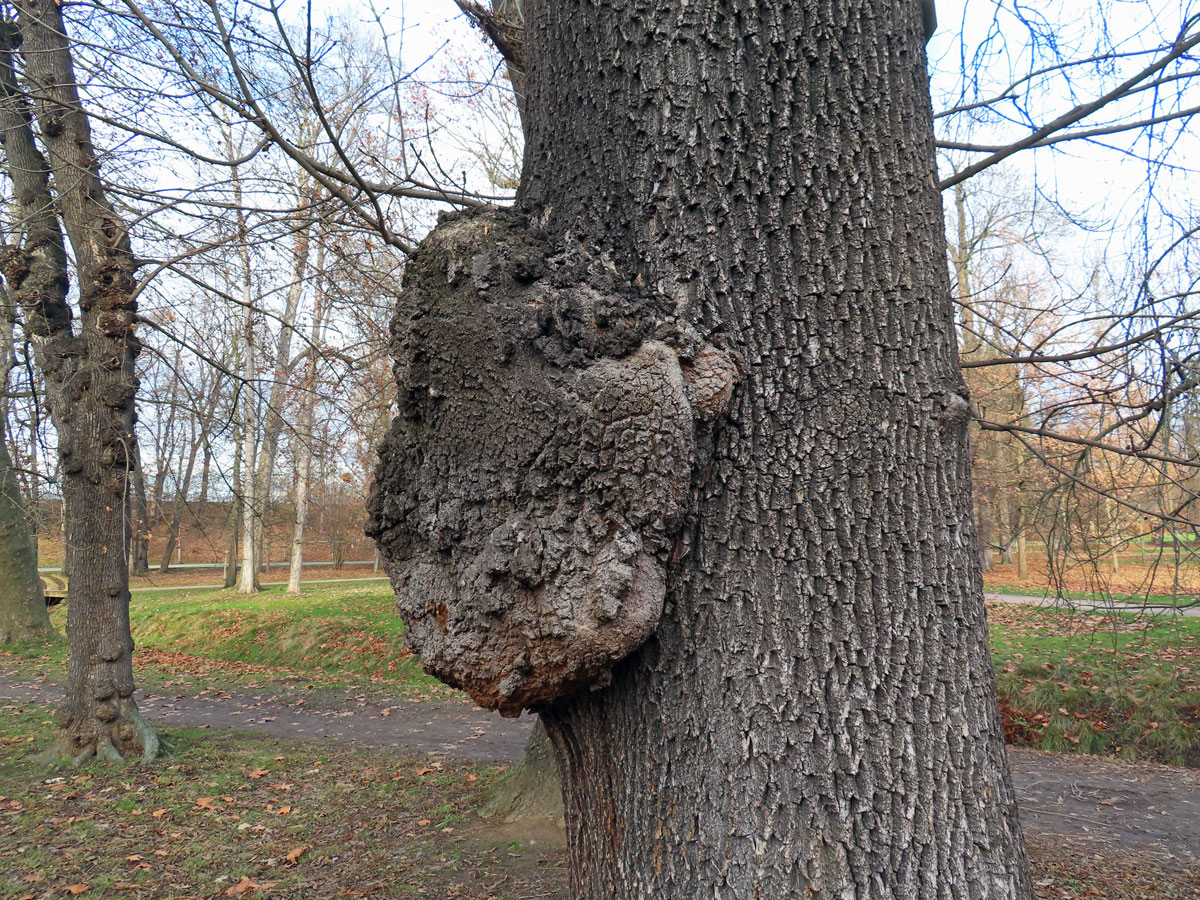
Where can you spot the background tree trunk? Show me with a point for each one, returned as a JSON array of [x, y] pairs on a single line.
[[23, 613], [139, 550], [181, 497], [816, 712], [305, 432], [281, 368], [248, 496]]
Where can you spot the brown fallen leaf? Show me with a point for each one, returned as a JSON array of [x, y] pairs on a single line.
[[247, 885], [293, 856], [283, 810], [205, 802], [31, 878], [75, 889], [159, 813], [424, 771], [257, 773]]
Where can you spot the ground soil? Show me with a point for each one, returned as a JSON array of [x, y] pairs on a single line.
[[1094, 803]]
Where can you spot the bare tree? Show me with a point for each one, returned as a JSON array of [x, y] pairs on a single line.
[[89, 373]]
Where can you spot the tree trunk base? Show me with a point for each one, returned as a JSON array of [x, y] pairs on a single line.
[[29, 634], [127, 737]]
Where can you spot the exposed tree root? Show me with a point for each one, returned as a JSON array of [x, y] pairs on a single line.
[[134, 737], [151, 743]]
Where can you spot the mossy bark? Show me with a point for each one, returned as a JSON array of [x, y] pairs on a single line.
[[532, 791]]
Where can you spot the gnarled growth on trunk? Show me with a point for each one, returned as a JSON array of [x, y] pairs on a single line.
[[528, 495]]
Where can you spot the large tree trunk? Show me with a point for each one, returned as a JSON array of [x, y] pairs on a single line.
[[815, 713], [93, 378]]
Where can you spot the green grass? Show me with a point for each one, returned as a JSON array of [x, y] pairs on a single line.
[[1068, 681], [1098, 683], [344, 630], [230, 806], [348, 632]]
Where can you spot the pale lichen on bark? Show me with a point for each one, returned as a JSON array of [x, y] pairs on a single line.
[[530, 490]]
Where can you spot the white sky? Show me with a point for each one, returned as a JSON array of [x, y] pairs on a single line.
[[1104, 185]]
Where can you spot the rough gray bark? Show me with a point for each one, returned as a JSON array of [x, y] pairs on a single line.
[[815, 713], [90, 376]]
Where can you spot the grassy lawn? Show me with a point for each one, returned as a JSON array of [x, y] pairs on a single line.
[[240, 815], [230, 815], [1099, 683], [330, 634], [1090, 682]]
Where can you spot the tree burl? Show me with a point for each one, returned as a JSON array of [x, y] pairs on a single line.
[[552, 415]]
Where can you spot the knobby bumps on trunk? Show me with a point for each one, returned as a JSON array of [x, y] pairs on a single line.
[[528, 496]]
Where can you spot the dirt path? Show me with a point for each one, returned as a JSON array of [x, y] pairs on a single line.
[[1087, 801], [1051, 602], [444, 728]]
